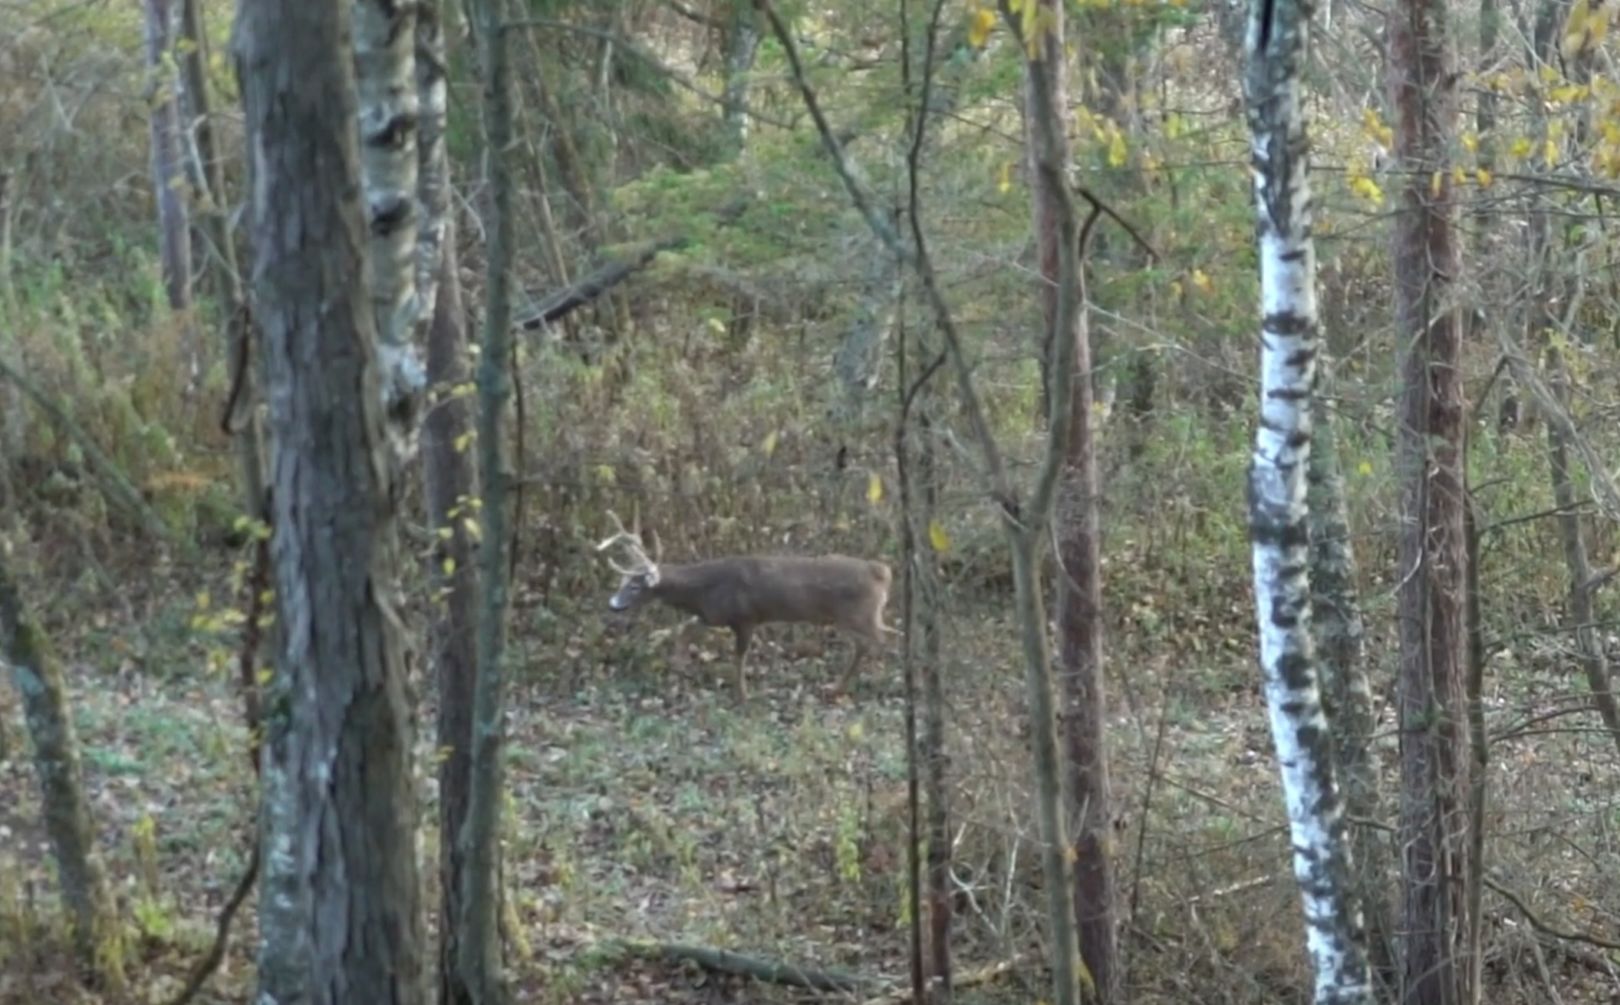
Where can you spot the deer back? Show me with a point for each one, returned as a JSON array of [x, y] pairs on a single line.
[[829, 590]]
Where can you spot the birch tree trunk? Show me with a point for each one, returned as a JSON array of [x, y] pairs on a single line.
[[339, 910], [480, 962], [1432, 558], [1276, 46], [385, 73], [1340, 636], [91, 910], [1079, 575]]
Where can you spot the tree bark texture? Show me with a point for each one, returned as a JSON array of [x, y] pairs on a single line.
[[1277, 45], [91, 911], [1429, 455], [1079, 567], [385, 72], [742, 45], [449, 486], [167, 162], [1339, 633], [480, 962], [339, 908]]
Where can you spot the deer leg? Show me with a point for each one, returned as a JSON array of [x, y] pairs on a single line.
[[854, 664], [744, 636]]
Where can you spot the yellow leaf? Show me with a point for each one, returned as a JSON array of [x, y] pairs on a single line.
[[1364, 469], [449, 566], [1482, 176], [1470, 142], [874, 488], [1175, 288], [1117, 152], [1201, 279], [938, 538], [463, 442], [767, 446], [984, 22], [1437, 184], [1004, 179], [1549, 153], [856, 730], [203, 600], [717, 326], [474, 529]]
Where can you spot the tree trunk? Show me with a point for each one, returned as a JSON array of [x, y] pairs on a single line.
[[1079, 576], [339, 910], [1278, 38], [242, 418], [385, 75], [168, 170], [449, 482], [1432, 573], [742, 45], [480, 962], [1339, 634], [936, 763], [92, 913]]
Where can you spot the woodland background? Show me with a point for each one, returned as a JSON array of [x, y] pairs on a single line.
[[738, 389]]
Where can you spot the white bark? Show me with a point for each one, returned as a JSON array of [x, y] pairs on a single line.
[[1277, 488], [433, 179], [385, 78]]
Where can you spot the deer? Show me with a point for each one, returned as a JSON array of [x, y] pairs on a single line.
[[743, 592]]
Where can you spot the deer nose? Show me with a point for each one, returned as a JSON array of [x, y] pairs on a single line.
[[616, 603]]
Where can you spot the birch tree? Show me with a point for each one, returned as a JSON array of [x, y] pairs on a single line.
[[385, 73], [1278, 34], [339, 908]]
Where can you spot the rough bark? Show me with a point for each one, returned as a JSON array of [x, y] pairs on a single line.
[[385, 74], [479, 954], [1339, 633], [1432, 570], [1278, 37], [449, 485], [1079, 575], [92, 913], [168, 165], [339, 910]]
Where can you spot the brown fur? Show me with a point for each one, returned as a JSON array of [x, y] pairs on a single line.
[[743, 593]]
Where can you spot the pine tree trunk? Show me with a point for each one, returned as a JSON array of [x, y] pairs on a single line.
[[340, 868]]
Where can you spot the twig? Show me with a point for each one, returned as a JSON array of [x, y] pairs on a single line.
[[115, 485], [222, 932], [727, 962], [1544, 927]]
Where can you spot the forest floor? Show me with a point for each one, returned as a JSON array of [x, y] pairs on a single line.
[[647, 804]]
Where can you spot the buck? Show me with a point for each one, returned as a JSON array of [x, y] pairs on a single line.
[[744, 592]]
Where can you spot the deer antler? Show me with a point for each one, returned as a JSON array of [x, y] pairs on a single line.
[[638, 554]]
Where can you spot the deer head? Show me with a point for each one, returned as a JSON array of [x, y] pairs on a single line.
[[640, 576]]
